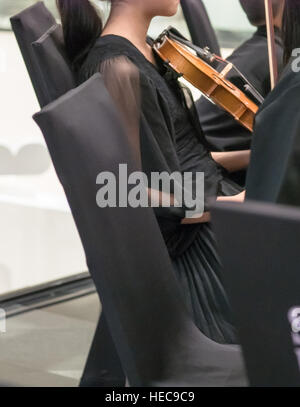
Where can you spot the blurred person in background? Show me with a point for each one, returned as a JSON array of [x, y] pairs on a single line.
[[221, 130]]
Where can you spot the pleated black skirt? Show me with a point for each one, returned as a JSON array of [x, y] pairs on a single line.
[[199, 273]]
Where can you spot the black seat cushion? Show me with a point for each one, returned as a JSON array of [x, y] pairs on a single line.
[[56, 76], [29, 26]]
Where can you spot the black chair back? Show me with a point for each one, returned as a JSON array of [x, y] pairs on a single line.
[[156, 340], [259, 248], [55, 75], [199, 25], [29, 26]]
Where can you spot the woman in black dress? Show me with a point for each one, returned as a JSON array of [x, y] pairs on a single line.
[[167, 136]]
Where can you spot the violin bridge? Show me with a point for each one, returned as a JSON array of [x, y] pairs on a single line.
[[227, 69]]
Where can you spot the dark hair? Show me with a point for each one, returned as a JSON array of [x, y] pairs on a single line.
[[291, 28], [255, 10], [82, 25]]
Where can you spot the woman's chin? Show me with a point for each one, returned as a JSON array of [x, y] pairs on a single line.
[[173, 9], [172, 12]]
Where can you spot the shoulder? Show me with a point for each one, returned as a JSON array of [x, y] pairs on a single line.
[[283, 98], [255, 49], [115, 53], [289, 82], [107, 47], [256, 45]]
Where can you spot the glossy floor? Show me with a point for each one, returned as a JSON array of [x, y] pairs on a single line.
[[49, 347]]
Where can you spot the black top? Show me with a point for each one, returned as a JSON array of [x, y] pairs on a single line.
[[221, 130], [170, 135], [274, 172]]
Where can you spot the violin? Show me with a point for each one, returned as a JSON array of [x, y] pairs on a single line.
[[207, 72]]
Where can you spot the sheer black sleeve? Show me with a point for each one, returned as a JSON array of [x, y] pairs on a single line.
[[149, 131]]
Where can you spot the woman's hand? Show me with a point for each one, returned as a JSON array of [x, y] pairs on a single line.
[[235, 198], [233, 160], [205, 218]]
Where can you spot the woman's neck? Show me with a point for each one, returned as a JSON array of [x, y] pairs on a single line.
[[129, 22]]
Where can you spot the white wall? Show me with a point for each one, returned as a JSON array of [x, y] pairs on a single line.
[[38, 238]]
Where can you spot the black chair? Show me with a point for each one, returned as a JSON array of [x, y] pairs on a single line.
[[156, 340], [29, 26], [42, 46], [199, 25], [259, 248], [54, 72]]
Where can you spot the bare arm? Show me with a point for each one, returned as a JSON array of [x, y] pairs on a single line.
[[122, 80], [206, 216], [160, 197], [232, 160]]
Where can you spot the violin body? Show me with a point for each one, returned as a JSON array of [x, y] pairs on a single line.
[[209, 81]]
